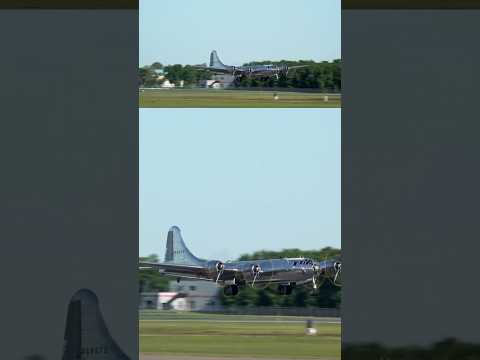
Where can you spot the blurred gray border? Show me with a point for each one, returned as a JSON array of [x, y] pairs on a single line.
[[69, 177], [410, 176]]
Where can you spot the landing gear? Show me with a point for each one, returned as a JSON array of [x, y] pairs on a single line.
[[238, 81], [230, 290], [285, 289]]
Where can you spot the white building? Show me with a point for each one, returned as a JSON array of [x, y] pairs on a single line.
[[167, 84], [200, 295], [218, 82], [187, 295], [163, 300]]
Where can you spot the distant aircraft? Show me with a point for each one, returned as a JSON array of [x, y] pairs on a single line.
[[285, 273], [262, 71]]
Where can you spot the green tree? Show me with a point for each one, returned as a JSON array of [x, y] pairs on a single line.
[[264, 298], [156, 66], [151, 280]]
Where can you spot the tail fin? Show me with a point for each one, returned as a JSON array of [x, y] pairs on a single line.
[[86, 335], [177, 252], [215, 61]]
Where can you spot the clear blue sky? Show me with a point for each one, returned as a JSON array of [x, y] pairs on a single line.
[[240, 180], [185, 31]]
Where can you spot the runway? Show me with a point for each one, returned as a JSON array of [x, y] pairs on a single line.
[[283, 321], [201, 98], [170, 357], [189, 336]]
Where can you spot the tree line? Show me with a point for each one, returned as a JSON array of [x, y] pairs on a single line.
[[327, 296], [323, 76]]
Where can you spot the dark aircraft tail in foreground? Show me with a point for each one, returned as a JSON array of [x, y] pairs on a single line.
[[86, 335]]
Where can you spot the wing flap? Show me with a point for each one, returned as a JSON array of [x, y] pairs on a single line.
[[188, 271]]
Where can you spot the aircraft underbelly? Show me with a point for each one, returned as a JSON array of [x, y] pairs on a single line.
[[275, 271], [263, 73]]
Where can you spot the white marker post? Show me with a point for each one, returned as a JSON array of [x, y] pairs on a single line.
[[310, 330]]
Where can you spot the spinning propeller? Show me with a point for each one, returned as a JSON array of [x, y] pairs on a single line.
[[326, 269], [219, 266], [338, 268], [256, 270], [318, 276]]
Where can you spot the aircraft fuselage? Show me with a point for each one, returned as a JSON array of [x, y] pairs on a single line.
[[264, 71], [286, 273]]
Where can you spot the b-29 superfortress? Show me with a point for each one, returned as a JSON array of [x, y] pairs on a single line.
[[259, 71], [285, 273]]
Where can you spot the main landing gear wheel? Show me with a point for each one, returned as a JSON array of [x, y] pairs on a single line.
[[230, 290], [285, 289]]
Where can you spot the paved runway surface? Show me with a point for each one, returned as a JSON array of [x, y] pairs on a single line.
[[167, 357], [302, 321]]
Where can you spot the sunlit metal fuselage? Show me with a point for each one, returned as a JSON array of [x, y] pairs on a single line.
[[271, 271], [286, 272], [250, 71]]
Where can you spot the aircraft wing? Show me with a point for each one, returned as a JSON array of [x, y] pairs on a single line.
[[297, 67], [213, 69], [189, 271]]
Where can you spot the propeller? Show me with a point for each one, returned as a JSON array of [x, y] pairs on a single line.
[[256, 270], [338, 268], [219, 266], [319, 277]]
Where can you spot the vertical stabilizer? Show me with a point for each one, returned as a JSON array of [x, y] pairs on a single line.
[[177, 252], [215, 61], [86, 335]]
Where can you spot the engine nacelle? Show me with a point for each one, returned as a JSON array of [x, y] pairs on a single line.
[[256, 269], [215, 266]]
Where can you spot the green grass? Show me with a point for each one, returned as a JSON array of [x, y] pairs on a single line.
[[201, 98], [271, 338], [189, 315]]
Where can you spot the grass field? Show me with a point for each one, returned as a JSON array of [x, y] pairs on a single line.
[[208, 98], [189, 334]]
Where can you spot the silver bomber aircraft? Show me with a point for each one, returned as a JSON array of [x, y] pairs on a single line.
[[284, 273], [261, 71]]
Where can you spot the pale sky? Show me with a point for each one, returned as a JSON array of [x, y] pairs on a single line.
[[240, 180], [185, 31]]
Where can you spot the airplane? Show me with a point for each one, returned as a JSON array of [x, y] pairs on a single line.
[[262, 71], [285, 273]]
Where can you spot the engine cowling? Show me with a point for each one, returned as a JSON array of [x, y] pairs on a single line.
[[215, 266], [256, 269]]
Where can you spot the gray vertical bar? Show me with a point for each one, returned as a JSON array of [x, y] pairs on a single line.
[[69, 173]]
